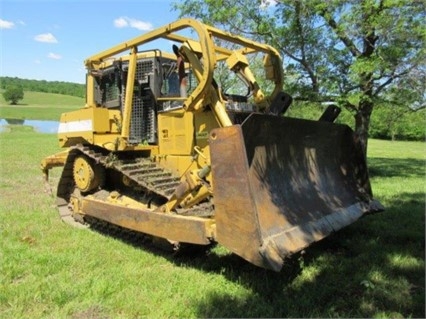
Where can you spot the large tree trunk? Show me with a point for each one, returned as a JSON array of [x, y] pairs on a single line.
[[362, 123]]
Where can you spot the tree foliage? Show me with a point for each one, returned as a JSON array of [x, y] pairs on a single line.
[[13, 94], [356, 53], [389, 121]]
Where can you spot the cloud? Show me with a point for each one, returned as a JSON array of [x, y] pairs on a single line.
[[6, 24], [140, 25], [120, 23], [54, 56], [46, 37], [37, 61], [124, 22]]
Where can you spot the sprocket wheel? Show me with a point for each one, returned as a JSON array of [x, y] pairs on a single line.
[[87, 175]]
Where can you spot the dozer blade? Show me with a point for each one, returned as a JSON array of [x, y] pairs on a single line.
[[281, 184]]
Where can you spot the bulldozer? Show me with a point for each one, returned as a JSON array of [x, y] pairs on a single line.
[[161, 148]]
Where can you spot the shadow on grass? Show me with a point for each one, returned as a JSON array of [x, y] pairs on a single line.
[[374, 267], [371, 268], [390, 167]]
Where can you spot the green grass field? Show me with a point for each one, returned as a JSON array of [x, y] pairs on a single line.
[[40, 106], [373, 268]]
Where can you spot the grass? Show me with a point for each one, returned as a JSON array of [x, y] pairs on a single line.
[[373, 268], [40, 106]]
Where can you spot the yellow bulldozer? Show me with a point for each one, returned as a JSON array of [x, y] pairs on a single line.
[[161, 148]]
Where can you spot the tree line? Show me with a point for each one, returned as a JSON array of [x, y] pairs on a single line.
[[388, 121], [57, 87]]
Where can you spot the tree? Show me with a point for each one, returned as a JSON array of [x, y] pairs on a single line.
[[13, 94], [354, 53]]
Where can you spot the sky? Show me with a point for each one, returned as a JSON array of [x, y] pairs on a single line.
[[50, 39]]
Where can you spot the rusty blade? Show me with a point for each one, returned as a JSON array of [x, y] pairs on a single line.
[[286, 183]]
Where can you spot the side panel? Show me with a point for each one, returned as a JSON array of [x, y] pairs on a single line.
[[176, 132], [83, 124]]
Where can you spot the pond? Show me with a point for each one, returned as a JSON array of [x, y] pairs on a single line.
[[38, 125]]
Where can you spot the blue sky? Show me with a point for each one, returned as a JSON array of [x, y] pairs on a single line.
[[50, 39]]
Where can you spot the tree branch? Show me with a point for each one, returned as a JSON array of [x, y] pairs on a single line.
[[304, 62], [341, 35], [391, 78]]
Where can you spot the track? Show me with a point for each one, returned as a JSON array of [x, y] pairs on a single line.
[[145, 179]]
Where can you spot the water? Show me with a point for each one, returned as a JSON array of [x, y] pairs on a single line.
[[38, 125]]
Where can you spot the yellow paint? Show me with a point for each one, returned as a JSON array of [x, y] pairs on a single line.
[[183, 124], [176, 132]]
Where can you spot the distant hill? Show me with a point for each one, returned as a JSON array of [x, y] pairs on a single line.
[[58, 87], [40, 106]]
